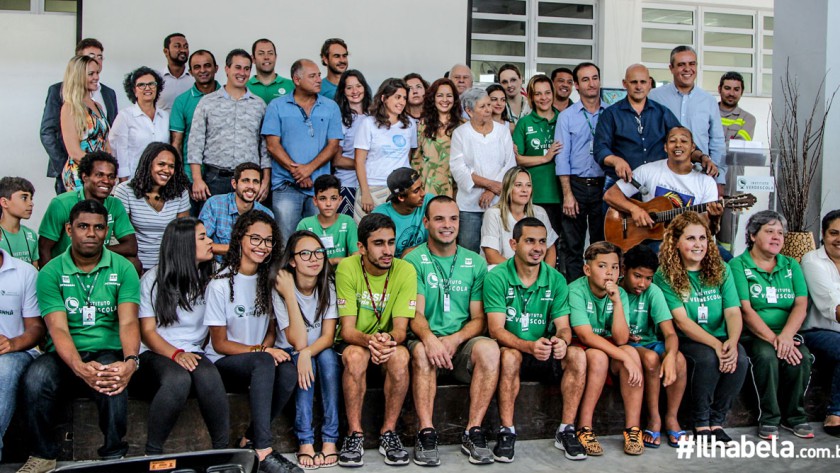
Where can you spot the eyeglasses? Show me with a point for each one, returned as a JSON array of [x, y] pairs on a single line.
[[146, 85], [306, 255], [639, 127], [257, 240]]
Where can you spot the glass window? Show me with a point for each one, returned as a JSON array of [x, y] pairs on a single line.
[[661, 76], [768, 23], [670, 17], [60, 6], [566, 10], [497, 48], [728, 40], [16, 5], [547, 68], [711, 80], [768, 42], [662, 56], [675, 37], [727, 59], [570, 51], [481, 26], [482, 67], [727, 20], [767, 61], [503, 7], [560, 30], [767, 84]]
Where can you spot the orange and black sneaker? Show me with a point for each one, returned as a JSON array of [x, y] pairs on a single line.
[[590, 443], [633, 444]]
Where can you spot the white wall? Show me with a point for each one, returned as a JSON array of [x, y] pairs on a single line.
[[386, 38], [33, 57]]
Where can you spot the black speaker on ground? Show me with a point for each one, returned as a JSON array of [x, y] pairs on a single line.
[[207, 461]]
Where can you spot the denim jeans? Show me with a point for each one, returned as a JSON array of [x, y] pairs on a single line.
[[325, 366], [218, 180], [469, 233], [290, 206], [826, 343], [49, 382], [12, 366]]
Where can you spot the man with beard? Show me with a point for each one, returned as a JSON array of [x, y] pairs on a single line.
[[88, 298], [176, 78], [406, 206], [376, 295], [203, 68], [738, 124], [301, 131], [98, 171], [334, 56], [226, 132], [563, 80], [511, 79], [267, 84], [221, 211]]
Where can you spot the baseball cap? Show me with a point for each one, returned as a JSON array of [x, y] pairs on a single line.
[[401, 180]]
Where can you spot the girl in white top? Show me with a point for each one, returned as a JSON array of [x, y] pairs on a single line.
[[384, 142], [240, 314], [515, 204], [353, 98], [142, 123], [481, 153], [173, 334], [156, 195], [305, 258]]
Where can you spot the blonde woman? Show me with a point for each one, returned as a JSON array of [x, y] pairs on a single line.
[[84, 123]]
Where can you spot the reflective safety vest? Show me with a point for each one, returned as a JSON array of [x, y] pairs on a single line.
[[727, 122]]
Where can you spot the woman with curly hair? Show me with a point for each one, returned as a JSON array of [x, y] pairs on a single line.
[[441, 115], [173, 333], [353, 98], [140, 124], [240, 314], [156, 195], [385, 140], [700, 292], [84, 123], [314, 307]]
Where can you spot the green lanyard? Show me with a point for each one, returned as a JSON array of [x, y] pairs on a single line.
[[89, 289], [445, 283]]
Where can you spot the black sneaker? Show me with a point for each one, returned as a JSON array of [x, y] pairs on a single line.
[[426, 448], [392, 449], [567, 441], [474, 445], [505, 441], [288, 465], [721, 436], [276, 463], [352, 451]]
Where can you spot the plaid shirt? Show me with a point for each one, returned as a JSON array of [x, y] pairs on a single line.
[[220, 213]]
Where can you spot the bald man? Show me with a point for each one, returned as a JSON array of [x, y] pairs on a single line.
[[461, 75], [632, 131]]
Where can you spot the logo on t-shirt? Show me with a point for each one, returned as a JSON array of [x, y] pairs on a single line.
[[65, 279], [432, 280], [112, 277], [755, 290], [510, 315], [399, 141], [677, 198], [239, 310], [468, 262], [71, 304]]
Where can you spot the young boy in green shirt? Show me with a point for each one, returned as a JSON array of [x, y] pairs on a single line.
[[337, 231], [16, 195], [597, 305], [662, 361]]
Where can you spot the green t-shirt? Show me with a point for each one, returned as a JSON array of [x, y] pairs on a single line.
[[433, 281], [280, 87], [714, 299], [770, 295], [62, 287], [645, 312], [354, 299], [410, 229], [339, 238], [590, 310], [529, 311], [533, 136], [58, 214], [23, 245], [181, 115]]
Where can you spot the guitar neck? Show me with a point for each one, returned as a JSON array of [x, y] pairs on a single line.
[[668, 215]]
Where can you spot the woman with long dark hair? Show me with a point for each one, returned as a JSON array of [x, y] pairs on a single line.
[[353, 98], [441, 116], [498, 102], [173, 334], [240, 314], [384, 142], [701, 295], [156, 195], [314, 307]]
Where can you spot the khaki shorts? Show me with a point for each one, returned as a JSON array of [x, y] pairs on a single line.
[[462, 365]]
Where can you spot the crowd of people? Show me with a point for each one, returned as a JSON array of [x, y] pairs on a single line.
[[273, 235]]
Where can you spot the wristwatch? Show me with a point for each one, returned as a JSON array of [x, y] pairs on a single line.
[[135, 358]]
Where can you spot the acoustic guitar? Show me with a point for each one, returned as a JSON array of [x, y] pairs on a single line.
[[620, 229]]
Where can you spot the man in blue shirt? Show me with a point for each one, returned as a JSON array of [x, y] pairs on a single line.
[[581, 178], [632, 131], [302, 131], [696, 109]]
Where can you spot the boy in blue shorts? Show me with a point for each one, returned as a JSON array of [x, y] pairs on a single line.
[[661, 359]]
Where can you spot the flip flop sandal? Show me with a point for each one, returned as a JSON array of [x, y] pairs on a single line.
[[655, 436], [677, 434], [326, 458], [311, 466]]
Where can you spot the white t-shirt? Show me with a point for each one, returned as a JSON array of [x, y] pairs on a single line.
[[493, 234], [308, 307], [148, 223], [683, 189], [388, 148], [189, 333], [238, 316], [18, 297], [348, 177]]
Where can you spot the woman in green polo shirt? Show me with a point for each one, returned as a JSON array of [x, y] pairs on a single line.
[[774, 301], [701, 295]]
